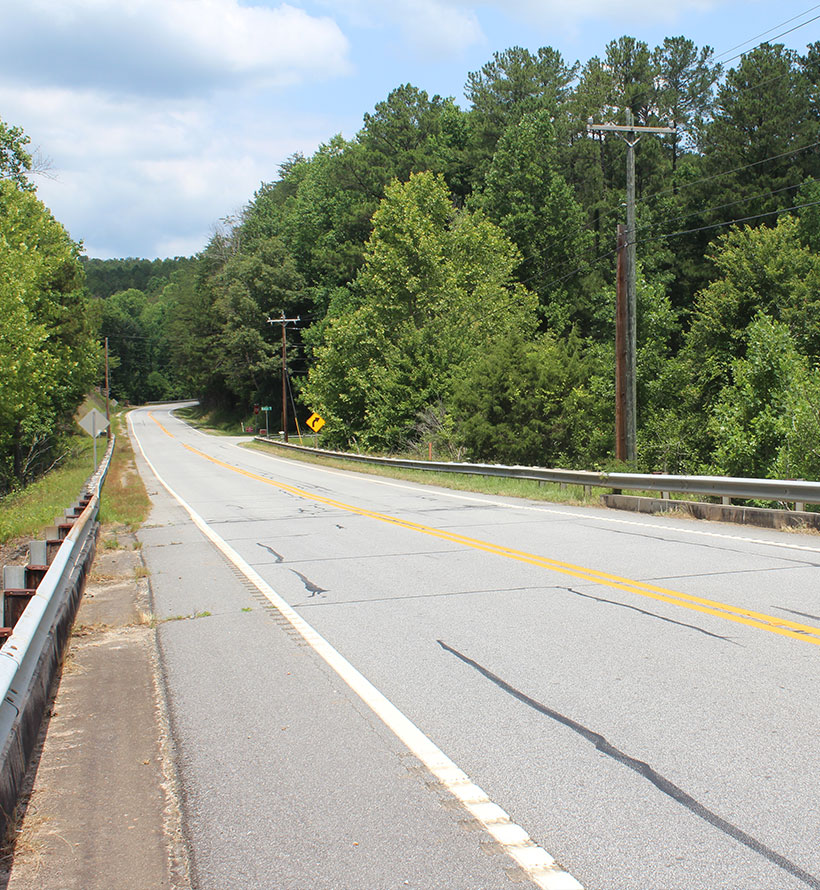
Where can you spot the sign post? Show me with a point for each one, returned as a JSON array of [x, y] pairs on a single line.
[[315, 422], [266, 409], [94, 423]]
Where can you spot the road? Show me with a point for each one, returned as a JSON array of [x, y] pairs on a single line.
[[375, 684]]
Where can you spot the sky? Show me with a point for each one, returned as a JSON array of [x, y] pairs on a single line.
[[156, 119]]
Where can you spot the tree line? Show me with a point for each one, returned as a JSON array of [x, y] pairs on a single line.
[[49, 354], [453, 270]]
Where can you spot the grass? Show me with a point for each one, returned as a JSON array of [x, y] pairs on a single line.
[[213, 421], [573, 495], [124, 499], [25, 513], [495, 485]]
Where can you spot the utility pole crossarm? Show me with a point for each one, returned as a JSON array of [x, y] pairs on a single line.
[[619, 128]]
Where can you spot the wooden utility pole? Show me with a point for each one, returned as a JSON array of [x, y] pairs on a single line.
[[621, 376], [631, 135], [284, 322]]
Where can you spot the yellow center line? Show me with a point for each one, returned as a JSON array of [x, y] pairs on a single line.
[[750, 618]]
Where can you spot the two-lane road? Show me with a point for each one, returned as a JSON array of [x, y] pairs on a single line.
[[375, 684]]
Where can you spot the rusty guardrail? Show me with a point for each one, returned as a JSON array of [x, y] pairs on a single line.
[[39, 602]]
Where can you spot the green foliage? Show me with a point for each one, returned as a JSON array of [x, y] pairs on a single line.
[[435, 289], [758, 270], [15, 160], [48, 353], [136, 306], [763, 121], [529, 198], [514, 83], [752, 415], [454, 270], [524, 401]]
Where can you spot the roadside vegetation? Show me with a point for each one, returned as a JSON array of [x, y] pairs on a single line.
[[493, 485], [452, 270], [25, 512], [124, 503], [124, 500]]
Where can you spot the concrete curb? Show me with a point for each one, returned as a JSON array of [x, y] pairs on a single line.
[[761, 517]]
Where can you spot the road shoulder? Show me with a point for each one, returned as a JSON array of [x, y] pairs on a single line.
[[100, 804]]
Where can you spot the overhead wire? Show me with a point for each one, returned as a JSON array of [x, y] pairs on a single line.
[[704, 210], [730, 222], [782, 34], [764, 33], [713, 176]]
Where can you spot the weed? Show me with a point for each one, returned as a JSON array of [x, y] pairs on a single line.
[[141, 572], [111, 543], [124, 499], [205, 614], [247, 609], [146, 619]]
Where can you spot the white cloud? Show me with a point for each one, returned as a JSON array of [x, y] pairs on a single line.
[[146, 177], [438, 26], [167, 47]]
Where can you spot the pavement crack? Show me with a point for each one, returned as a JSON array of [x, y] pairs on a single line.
[[600, 599], [724, 548], [313, 589], [279, 557], [801, 614], [644, 769]]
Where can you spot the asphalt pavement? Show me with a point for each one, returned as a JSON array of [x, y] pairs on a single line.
[[638, 694]]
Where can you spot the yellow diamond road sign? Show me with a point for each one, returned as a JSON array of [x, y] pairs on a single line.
[[315, 422]]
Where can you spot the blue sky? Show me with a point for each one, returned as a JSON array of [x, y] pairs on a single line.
[[158, 118]]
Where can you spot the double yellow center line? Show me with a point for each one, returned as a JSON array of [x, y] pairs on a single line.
[[750, 618]]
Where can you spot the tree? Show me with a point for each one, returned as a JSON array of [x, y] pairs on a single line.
[[48, 351], [759, 143], [758, 270], [524, 401], [529, 199], [753, 414], [685, 78], [15, 160], [436, 287], [632, 73], [514, 83]]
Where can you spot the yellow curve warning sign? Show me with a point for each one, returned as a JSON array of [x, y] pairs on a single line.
[[315, 422]]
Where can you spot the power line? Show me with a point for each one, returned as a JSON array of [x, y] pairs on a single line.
[[730, 222], [764, 33], [586, 267], [705, 210], [727, 172], [782, 34]]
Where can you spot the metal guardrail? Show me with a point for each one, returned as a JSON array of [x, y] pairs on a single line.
[[30, 656], [785, 491]]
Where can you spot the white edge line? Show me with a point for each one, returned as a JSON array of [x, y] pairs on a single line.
[[540, 867]]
